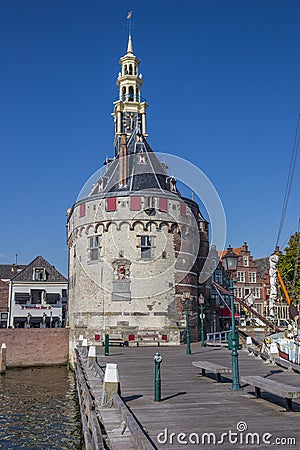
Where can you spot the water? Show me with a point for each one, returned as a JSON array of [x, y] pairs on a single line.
[[39, 410]]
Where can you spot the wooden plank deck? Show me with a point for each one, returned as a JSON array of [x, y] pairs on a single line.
[[194, 404]]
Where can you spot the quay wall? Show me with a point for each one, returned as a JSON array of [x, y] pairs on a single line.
[[35, 346]]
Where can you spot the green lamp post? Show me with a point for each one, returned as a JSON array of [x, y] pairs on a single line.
[[202, 317], [230, 260], [186, 296]]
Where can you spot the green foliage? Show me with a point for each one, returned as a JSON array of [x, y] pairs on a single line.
[[289, 267]]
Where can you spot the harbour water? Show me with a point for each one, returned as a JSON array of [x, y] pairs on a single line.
[[39, 410]]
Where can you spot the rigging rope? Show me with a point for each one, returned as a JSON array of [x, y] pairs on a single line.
[[290, 180]]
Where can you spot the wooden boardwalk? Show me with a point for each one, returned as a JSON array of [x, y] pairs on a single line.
[[195, 405]]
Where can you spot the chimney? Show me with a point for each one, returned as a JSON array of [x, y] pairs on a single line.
[[14, 269], [123, 163]]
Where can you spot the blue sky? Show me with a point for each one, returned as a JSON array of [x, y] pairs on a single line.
[[222, 79]]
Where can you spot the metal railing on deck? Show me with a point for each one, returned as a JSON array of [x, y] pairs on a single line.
[[219, 337]]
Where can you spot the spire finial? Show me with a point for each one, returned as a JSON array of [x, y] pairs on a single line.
[[129, 46]]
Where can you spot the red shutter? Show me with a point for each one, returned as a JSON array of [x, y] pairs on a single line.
[[82, 210], [182, 208], [111, 204], [135, 203], [163, 204]]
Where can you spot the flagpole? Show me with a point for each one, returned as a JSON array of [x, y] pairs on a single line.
[[129, 16]]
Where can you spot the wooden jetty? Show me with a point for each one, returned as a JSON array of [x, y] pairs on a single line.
[[193, 405]]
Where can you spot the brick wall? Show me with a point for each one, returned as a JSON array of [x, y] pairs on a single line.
[[35, 346]]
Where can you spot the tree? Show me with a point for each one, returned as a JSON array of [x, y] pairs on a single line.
[[289, 267]]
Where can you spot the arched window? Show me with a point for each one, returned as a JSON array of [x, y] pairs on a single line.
[[124, 93], [130, 69], [135, 71], [125, 70], [131, 94]]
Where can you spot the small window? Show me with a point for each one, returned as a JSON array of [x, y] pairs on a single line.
[[246, 261], [39, 274], [52, 299], [147, 247], [241, 277], [64, 293], [93, 248], [130, 69], [218, 277], [238, 292], [36, 296], [142, 158], [252, 277], [21, 298], [150, 202], [256, 292]]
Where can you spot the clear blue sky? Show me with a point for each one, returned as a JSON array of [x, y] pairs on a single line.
[[223, 81]]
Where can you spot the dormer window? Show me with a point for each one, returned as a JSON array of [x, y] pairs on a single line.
[[39, 274]]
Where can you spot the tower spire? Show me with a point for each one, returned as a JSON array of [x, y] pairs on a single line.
[[129, 46], [130, 109]]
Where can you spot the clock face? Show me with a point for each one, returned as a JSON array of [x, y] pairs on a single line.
[[130, 121]]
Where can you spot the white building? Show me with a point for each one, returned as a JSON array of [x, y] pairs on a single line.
[[136, 246], [38, 296]]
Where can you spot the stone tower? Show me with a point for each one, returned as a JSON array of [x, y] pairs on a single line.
[[136, 246]]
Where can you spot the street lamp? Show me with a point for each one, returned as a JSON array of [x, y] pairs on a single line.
[[230, 260], [186, 296], [202, 317]]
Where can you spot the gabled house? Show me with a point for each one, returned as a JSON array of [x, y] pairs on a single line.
[[38, 296], [7, 272]]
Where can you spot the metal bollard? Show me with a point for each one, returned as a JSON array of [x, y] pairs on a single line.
[[157, 379], [106, 344]]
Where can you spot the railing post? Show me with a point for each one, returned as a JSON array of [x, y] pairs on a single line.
[[106, 344]]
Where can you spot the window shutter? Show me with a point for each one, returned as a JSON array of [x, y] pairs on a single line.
[[163, 204], [111, 204], [135, 203], [82, 210], [182, 208]]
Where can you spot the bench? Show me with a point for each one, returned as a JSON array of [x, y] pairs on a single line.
[[115, 338], [274, 387], [147, 339], [211, 367]]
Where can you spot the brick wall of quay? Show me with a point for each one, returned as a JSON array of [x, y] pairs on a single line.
[[35, 346]]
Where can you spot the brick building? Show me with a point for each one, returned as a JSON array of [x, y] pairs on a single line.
[[7, 272]]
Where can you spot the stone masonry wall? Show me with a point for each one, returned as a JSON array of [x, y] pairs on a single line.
[[35, 347]]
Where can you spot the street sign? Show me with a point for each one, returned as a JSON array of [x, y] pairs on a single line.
[[202, 316]]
